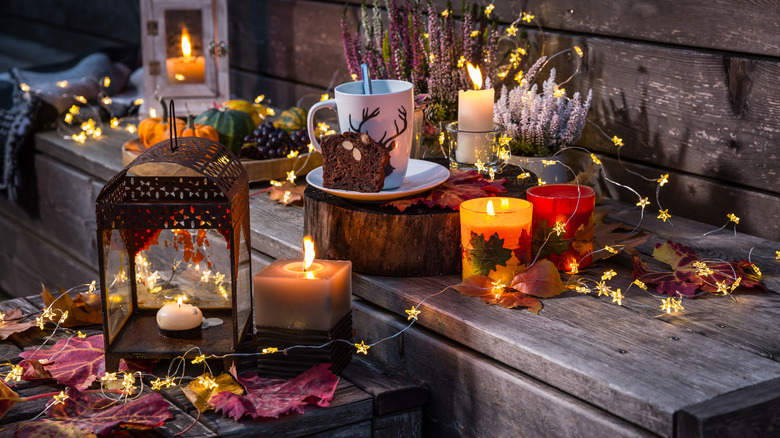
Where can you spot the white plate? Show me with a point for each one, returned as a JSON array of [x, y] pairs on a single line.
[[420, 176]]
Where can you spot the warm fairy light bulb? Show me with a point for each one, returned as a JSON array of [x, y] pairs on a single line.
[[186, 48], [489, 208], [62, 84], [475, 75], [308, 252], [259, 98], [106, 81]]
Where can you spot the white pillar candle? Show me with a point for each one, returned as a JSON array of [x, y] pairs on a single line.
[[179, 316], [475, 113]]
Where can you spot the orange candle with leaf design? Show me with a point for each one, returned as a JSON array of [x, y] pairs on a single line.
[[495, 237], [563, 224]]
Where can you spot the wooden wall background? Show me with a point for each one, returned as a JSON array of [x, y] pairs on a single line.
[[690, 85]]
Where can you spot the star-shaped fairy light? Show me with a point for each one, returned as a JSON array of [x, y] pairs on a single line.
[[108, 377], [81, 334], [733, 218], [595, 159], [578, 50], [757, 271], [582, 289], [199, 359], [603, 289], [643, 202], [488, 9], [702, 269], [777, 257], [610, 249], [559, 228], [60, 398], [561, 92], [574, 267], [128, 383], [617, 141], [291, 176], [269, 350], [663, 179], [670, 305], [40, 322], [722, 287], [413, 313], [527, 17], [608, 275], [511, 30], [362, 347], [640, 284], [207, 382], [2, 317], [15, 375], [736, 283], [157, 384], [617, 297], [664, 214]]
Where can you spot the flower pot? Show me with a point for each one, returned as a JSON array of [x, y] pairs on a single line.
[[549, 173]]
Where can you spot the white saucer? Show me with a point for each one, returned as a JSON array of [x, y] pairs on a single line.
[[420, 176]]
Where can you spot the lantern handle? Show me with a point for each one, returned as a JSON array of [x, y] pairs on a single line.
[[172, 127]]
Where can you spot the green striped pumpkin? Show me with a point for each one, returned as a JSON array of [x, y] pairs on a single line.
[[231, 125]]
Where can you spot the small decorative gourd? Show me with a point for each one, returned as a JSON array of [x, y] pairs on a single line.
[[153, 130], [231, 125]]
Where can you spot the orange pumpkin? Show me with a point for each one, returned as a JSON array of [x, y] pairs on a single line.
[[153, 130], [197, 130]]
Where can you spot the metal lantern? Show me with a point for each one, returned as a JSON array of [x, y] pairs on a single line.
[[167, 239], [184, 52]]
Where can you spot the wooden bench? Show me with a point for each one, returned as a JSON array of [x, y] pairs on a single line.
[[371, 399]]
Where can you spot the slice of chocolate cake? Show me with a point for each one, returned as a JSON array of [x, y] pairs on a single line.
[[353, 161]]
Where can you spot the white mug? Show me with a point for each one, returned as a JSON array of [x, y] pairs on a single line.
[[387, 115]]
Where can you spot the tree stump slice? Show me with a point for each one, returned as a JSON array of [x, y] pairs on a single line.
[[380, 240]]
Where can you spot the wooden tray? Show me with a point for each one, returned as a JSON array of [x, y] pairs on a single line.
[[276, 168]]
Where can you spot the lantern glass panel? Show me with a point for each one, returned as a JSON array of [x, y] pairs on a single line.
[[189, 263], [184, 56], [243, 282], [117, 281]]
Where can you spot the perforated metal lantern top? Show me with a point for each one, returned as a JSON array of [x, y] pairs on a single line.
[[223, 180]]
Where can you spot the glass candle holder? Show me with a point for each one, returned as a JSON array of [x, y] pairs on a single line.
[[563, 222], [476, 150], [495, 237]]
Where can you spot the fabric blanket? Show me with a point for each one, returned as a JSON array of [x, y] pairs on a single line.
[[16, 126]]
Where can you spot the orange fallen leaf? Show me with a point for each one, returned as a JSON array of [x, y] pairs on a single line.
[[81, 311], [13, 322]]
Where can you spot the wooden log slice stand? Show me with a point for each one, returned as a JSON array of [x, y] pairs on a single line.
[[380, 240]]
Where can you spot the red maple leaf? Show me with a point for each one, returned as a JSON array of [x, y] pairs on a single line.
[[14, 322], [460, 186], [274, 397], [82, 414], [73, 362], [685, 277]]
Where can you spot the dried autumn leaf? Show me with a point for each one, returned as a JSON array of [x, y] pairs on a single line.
[[83, 414], [619, 235], [13, 322], [79, 312], [8, 398], [33, 370], [200, 394], [487, 254], [460, 186], [513, 300], [540, 280], [684, 278], [475, 286], [75, 362], [315, 386], [288, 193]]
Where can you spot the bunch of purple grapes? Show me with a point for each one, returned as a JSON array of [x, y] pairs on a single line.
[[269, 142]]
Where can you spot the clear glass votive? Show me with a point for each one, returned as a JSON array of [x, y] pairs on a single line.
[[476, 150]]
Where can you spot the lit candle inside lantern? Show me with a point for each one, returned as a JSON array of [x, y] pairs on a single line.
[[179, 317], [571, 208], [496, 237], [186, 69], [307, 294], [475, 113]]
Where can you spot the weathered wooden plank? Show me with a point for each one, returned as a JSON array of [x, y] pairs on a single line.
[[29, 409], [279, 234], [405, 424], [350, 405], [693, 197], [362, 429], [393, 390], [472, 395], [739, 413], [29, 261], [101, 158]]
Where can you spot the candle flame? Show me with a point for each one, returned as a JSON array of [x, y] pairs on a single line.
[[186, 48], [178, 302], [475, 75], [308, 252], [490, 210]]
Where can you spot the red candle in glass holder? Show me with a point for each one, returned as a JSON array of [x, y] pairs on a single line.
[[563, 223]]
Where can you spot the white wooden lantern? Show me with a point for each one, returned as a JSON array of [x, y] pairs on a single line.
[[184, 50]]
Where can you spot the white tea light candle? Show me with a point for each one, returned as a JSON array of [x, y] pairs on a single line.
[[179, 316]]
